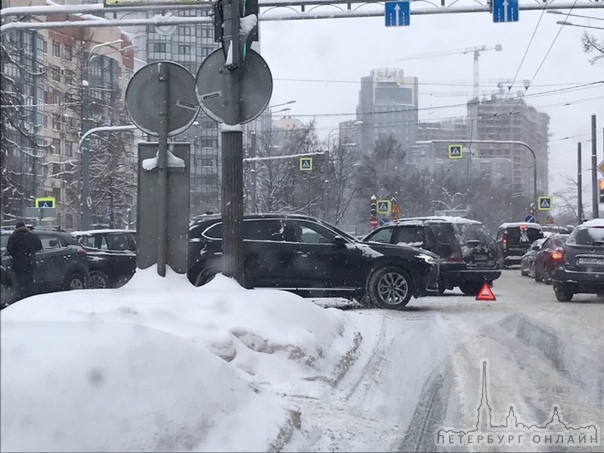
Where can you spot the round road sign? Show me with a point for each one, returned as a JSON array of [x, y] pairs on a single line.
[[256, 86], [373, 222], [143, 98]]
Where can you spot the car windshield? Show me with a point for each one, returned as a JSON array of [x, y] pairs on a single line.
[[524, 235]]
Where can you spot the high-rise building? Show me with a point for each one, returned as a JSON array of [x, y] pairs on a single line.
[[388, 104]]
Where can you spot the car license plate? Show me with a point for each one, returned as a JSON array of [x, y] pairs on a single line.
[[591, 260]]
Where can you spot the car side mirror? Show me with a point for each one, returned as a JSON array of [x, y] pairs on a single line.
[[339, 241]]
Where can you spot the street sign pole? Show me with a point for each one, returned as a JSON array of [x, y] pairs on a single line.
[[162, 167], [232, 152]]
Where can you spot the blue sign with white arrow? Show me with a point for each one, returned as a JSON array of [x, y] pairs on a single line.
[[505, 10], [397, 13]]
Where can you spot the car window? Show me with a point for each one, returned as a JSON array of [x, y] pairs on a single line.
[[50, 242], [383, 235], [444, 233], [586, 236], [523, 235], [117, 241], [474, 232], [263, 230], [312, 233], [409, 234]]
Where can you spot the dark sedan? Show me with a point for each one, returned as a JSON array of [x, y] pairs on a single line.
[[548, 257], [527, 262], [310, 257]]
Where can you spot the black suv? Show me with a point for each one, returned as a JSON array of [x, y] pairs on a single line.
[[514, 239], [60, 265], [465, 247], [312, 258], [582, 266], [111, 256]]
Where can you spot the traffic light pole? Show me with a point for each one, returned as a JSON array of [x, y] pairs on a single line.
[[232, 147]]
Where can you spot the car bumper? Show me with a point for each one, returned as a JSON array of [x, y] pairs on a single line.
[[587, 282], [455, 276]]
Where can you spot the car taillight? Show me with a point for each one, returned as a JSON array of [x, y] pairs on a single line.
[[504, 241], [81, 251], [558, 255], [454, 258]]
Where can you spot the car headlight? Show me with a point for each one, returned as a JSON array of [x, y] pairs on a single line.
[[427, 258]]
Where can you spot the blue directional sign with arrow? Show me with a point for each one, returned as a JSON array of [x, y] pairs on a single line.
[[505, 10], [397, 14]]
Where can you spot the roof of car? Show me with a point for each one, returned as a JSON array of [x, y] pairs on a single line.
[[263, 215], [446, 219], [518, 224], [103, 231], [592, 223]]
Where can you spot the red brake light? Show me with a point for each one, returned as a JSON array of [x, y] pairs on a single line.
[[81, 251], [504, 240], [558, 255], [454, 259]]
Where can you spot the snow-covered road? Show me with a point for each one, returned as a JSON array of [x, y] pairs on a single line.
[[420, 371]]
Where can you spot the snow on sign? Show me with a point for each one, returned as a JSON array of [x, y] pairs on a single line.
[[455, 151], [545, 203], [383, 206], [152, 2], [306, 163]]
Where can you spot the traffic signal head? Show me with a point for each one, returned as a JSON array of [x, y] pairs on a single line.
[[373, 208]]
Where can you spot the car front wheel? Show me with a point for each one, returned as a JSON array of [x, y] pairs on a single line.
[[563, 292], [390, 287], [99, 280], [76, 280]]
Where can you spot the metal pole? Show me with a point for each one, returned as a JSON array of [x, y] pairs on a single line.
[[232, 150], [162, 165], [594, 171], [253, 171], [84, 157], [579, 185]]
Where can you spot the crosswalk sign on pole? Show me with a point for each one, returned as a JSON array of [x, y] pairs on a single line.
[[45, 202], [455, 151], [545, 203], [383, 206], [306, 163]]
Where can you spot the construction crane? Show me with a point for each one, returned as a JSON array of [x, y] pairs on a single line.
[[474, 50]]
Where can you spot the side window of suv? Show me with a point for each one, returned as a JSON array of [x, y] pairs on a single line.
[[410, 234], [384, 235], [262, 230], [50, 242]]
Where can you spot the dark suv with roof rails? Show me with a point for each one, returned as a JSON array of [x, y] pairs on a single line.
[[313, 258], [467, 252], [581, 268], [514, 239]]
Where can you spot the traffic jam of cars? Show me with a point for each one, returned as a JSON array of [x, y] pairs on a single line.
[[405, 258]]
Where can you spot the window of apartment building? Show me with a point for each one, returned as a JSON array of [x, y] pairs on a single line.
[[159, 47], [56, 146], [56, 169], [45, 121], [56, 97], [187, 30], [56, 122], [184, 49], [208, 143], [44, 47], [67, 53], [69, 148], [56, 49], [55, 73]]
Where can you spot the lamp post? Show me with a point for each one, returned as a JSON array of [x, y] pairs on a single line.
[[565, 22], [84, 124]]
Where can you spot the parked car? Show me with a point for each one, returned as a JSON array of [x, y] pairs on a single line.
[[466, 250], [582, 266], [527, 262], [111, 256], [548, 257], [310, 257], [514, 239], [62, 264]]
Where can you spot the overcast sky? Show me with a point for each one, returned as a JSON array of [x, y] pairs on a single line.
[[319, 64]]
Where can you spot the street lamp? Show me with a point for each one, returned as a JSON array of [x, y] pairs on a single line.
[[565, 22]]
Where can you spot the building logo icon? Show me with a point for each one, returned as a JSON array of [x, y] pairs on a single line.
[[554, 433]]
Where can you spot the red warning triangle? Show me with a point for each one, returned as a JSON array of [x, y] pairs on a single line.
[[485, 293]]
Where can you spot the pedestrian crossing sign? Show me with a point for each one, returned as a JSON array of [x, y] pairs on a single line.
[[455, 151], [383, 206], [45, 202], [306, 163], [545, 203]]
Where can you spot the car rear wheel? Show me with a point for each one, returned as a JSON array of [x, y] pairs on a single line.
[[205, 276], [538, 276], [564, 293], [99, 280], [390, 287], [470, 289], [75, 280]]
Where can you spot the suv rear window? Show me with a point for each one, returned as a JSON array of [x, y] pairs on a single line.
[[517, 235], [586, 236]]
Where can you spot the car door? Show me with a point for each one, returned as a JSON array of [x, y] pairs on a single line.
[[50, 262]]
